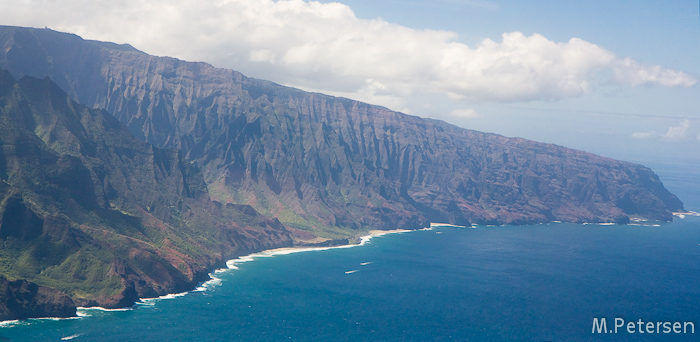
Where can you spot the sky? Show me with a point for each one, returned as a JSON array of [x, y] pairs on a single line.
[[618, 78]]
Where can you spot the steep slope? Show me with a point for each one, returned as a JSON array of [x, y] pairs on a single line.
[[21, 299], [88, 209], [321, 163]]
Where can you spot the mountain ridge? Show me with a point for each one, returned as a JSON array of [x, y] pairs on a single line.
[[319, 163]]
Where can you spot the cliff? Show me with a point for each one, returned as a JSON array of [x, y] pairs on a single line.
[[89, 210], [320, 163], [20, 299]]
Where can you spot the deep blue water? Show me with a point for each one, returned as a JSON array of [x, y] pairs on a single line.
[[529, 283]]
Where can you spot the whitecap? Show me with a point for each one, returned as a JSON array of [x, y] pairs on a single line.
[[150, 301], [683, 215], [208, 284], [98, 308], [70, 337], [9, 323]]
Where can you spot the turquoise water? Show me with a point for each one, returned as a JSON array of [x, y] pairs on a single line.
[[529, 283]]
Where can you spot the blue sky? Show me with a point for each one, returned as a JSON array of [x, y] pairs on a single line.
[[652, 31], [663, 33], [617, 78]]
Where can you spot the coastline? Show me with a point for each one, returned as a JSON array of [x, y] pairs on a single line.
[[361, 240], [230, 265]]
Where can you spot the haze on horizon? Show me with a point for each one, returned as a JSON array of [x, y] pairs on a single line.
[[618, 79]]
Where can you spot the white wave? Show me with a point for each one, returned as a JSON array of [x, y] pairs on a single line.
[[365, 239], [149, 301], [70, 337], [435, 224], [351, 272], [376, 233], [9, 323], [366, 263], [683, 215], [14, 322], [173, 295], [98, 308], [209, 284]]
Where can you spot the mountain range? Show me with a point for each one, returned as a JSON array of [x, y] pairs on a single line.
[[124, 175]]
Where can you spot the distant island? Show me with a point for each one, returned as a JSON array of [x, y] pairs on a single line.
[[125, 176]]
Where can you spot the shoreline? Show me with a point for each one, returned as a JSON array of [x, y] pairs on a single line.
[[230, 265]]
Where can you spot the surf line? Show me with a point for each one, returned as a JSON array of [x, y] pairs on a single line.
[[232, 265], [84, 312]]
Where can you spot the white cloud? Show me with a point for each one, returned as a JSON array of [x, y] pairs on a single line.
[[465, 114], [628, 71], [644, 135], [678, 132], [325, 47]]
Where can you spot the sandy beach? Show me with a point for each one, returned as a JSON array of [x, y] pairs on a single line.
[[231, 264]]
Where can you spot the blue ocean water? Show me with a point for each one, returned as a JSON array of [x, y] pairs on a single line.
[[528, 283]]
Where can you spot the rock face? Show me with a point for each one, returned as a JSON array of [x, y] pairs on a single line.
[[320, 163], [20, 299], [88, 209]]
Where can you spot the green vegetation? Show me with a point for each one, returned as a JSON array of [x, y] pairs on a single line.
[[88, 209]]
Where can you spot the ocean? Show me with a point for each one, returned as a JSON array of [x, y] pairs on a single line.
[[551, 282]]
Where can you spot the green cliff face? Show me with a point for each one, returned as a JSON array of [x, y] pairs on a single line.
[[90, 210], [329, 164]]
